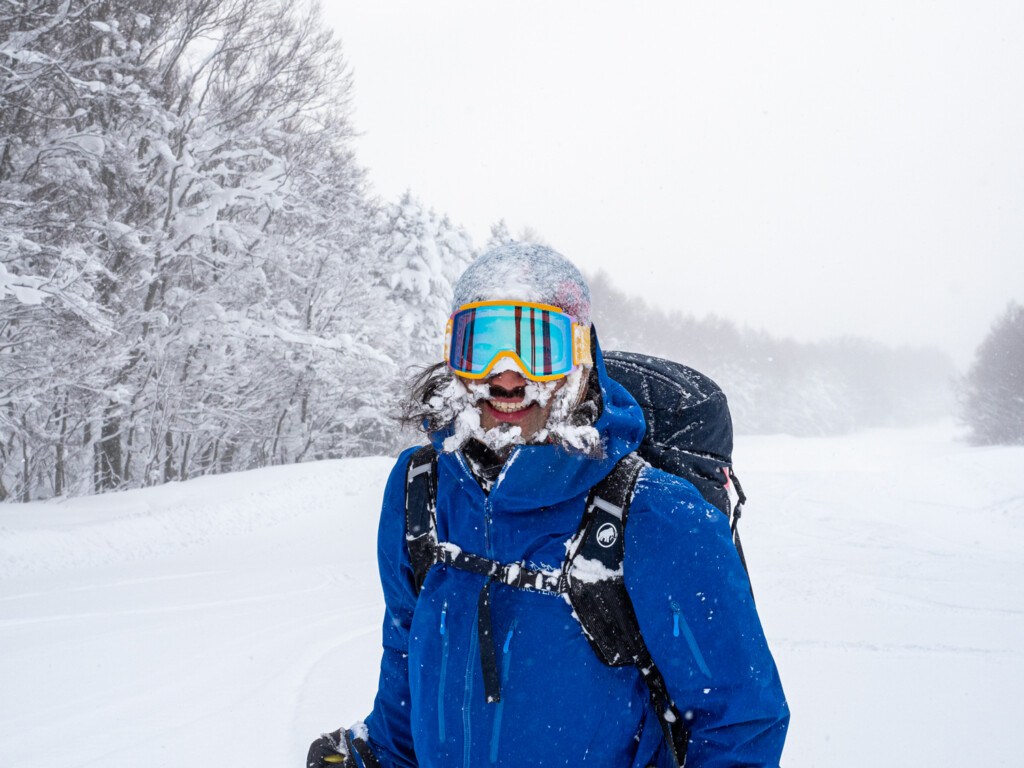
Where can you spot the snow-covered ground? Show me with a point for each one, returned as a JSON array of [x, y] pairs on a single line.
[[229, 620]]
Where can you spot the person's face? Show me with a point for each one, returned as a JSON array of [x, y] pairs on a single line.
[[507, 404]]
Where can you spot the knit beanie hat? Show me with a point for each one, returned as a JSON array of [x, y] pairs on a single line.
[[525, 272]]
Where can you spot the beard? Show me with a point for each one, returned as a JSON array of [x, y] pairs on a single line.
[[574, 407]]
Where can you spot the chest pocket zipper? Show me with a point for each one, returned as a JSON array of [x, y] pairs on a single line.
[[680, 625], [443, 629]]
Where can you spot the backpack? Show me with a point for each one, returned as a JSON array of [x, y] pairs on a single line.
[[689, 428], [689, 434]]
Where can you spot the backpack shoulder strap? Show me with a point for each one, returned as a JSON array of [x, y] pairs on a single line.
[[421, 512], [597, 591], [596, 552]]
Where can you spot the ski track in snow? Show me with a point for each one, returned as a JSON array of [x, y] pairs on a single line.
[[233, 619]]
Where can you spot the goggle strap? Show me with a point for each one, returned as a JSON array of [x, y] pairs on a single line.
[[581, 352]]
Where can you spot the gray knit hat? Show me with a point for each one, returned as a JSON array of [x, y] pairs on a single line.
[[525, 272]]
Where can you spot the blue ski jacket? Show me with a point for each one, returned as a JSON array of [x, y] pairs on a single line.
[[560, 705]]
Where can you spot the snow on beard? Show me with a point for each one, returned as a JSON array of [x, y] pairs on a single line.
[[462, 398]]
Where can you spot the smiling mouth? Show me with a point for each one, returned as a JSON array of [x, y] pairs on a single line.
[[510, 403], [505, 407]]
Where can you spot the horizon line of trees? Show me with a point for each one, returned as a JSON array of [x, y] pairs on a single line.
[[195, 277], [777, 385]]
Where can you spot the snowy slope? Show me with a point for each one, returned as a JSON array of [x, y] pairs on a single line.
[[228, 620]]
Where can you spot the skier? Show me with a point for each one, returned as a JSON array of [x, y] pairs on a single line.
[[485, 660]]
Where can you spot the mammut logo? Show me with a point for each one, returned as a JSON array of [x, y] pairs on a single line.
[[607, 535]]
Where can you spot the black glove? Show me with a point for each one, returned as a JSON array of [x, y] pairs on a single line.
[[330, 751]]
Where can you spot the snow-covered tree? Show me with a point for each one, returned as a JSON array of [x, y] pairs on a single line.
[[500, 235], [456, 250], [421, 256], [992, 393], [183, 238]]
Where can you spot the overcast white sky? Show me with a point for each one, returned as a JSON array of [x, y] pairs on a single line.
[[812, 169]]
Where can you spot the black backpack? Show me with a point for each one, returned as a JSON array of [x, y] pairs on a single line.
[[689, 429], [689, 433]]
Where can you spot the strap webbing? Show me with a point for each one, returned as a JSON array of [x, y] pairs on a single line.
[[677, 735], [420, 512], [511, 574], [737, 513], [488, 653]]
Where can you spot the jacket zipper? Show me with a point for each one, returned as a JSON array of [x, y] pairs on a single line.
[[487, 527], [444, 672], [489, 544], [506, 661], [680, 625]]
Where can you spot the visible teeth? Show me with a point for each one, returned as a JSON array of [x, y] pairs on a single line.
[[509, 407]]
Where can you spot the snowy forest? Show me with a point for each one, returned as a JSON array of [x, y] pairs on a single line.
[[196, 276]]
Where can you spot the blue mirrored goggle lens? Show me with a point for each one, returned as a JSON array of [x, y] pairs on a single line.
[[541, 339]]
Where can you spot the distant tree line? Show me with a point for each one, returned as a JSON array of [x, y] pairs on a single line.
[[779, 385]]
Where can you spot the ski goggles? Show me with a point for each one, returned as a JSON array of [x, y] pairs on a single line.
[[541, 339]]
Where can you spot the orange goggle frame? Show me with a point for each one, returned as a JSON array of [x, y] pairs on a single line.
[[543, 341]]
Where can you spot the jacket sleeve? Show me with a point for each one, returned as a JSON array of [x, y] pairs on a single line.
[[696, 613], [388, 726]]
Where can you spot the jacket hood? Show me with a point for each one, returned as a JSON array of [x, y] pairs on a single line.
[[544, 475]]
